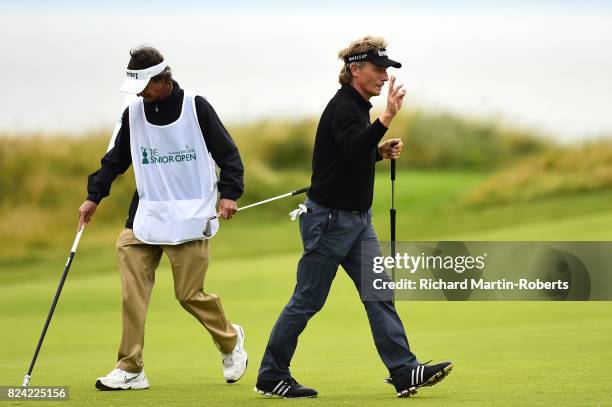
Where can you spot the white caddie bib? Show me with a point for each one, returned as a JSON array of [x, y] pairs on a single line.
[[175, 178]]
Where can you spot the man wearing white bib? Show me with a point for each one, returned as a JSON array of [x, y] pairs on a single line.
[[174, 140]]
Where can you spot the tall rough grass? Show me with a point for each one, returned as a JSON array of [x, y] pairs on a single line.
[[43, 179], [561, 171], [447, 141]]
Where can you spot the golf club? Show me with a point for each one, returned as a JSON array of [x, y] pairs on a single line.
[[26, 379], [288, 194], [392, 212]]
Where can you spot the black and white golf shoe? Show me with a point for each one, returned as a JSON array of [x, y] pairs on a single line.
[[287, 388], [420, 376]]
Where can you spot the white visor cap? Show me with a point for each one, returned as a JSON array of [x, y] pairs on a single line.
[[137, 79]]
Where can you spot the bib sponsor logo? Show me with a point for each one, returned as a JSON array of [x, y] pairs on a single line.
[[152, 156]]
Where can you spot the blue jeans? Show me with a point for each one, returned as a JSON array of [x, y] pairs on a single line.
[[331, 238]]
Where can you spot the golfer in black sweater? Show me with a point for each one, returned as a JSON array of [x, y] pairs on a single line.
[[337, 230]]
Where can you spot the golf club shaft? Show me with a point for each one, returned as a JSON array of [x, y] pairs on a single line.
[[26, 379], [392, 210], [288, 194], [392, 214]]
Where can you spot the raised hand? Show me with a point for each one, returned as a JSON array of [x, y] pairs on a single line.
[[395, 98]]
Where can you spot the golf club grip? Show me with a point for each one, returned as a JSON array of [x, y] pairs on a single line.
[[299, 191], [393, 169]]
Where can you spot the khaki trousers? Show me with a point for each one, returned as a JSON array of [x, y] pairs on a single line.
[[137, 264]]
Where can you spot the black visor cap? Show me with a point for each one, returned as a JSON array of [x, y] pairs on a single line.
[[376, 56], [386, 62]]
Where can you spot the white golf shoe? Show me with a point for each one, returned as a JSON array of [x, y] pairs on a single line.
[[121, 380], [235, 363]]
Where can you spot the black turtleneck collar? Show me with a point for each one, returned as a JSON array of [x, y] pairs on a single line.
[[175, 94], [167, 110], [356, 96]]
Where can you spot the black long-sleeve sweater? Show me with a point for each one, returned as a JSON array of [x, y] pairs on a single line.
[[217, 139], [345, 153]]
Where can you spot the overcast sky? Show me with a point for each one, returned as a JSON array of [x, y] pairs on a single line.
[[545, 65]]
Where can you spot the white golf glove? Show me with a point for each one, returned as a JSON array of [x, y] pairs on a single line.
[[297, 212]]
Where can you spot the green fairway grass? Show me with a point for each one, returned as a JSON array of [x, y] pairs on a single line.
[[505, 353]]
